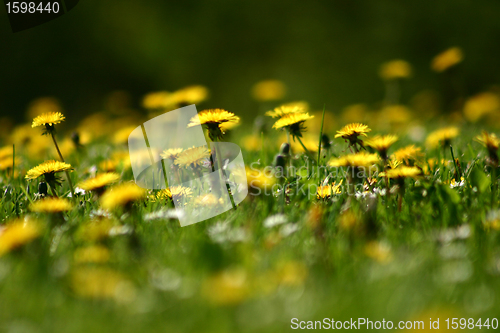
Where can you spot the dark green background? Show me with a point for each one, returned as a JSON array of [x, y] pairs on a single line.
[[325, 51]]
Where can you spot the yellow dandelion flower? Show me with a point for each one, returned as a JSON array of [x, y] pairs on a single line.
[[352, 131], [480, 105], [17, 233], [447, 59], [325, 192], [91, 254], [101, 283], [174, 192], [381, 143], [283, 110], [193, 156], [122, 195], [171, 153], [490, 141], [268, 90], [408, 153], [361, 159], [395, 69], [402, 172], [48, 169], [51, 205], [48, 119], [212, 119], [99, 182], [293, 122], [442, 136]]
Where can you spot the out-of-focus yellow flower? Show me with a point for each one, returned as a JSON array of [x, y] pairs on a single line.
[[96, 124], [291, 273], [348, 220], [481, 104], [490, 141], [192, 94], [155, 100], [213, 119], [7, 162], [101, 283], [91, 254], [43, 105], [48, 119], [327, 191], [328, 125], [442, 137], [118, 159], [284, 110], [395, 114], [395, 69], [208, 200], [362, 159], [402, 172], [47, 169], [51, 205], [94, 230], [355, 113], [122, 195], [381, 143], [227, 287], [269, 90], [164, 99], [252, 143], [122, 135], [408, 154], [192, 156], [311, 143], [447, 59], [259, 179], [378, 251], [17, 233], [99, 182]]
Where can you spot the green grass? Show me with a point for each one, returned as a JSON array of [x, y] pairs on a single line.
[[436, 256]]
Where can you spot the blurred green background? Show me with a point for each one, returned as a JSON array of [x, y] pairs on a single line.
[[327, 52]]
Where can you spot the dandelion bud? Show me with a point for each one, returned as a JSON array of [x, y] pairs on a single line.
[[285, 149], [325, 141], [75, 137], [279, 161], [42, 188]]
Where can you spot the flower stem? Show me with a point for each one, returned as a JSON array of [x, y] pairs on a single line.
[[65, 171]]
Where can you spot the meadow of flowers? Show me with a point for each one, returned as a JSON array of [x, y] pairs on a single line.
[[384, 211]]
